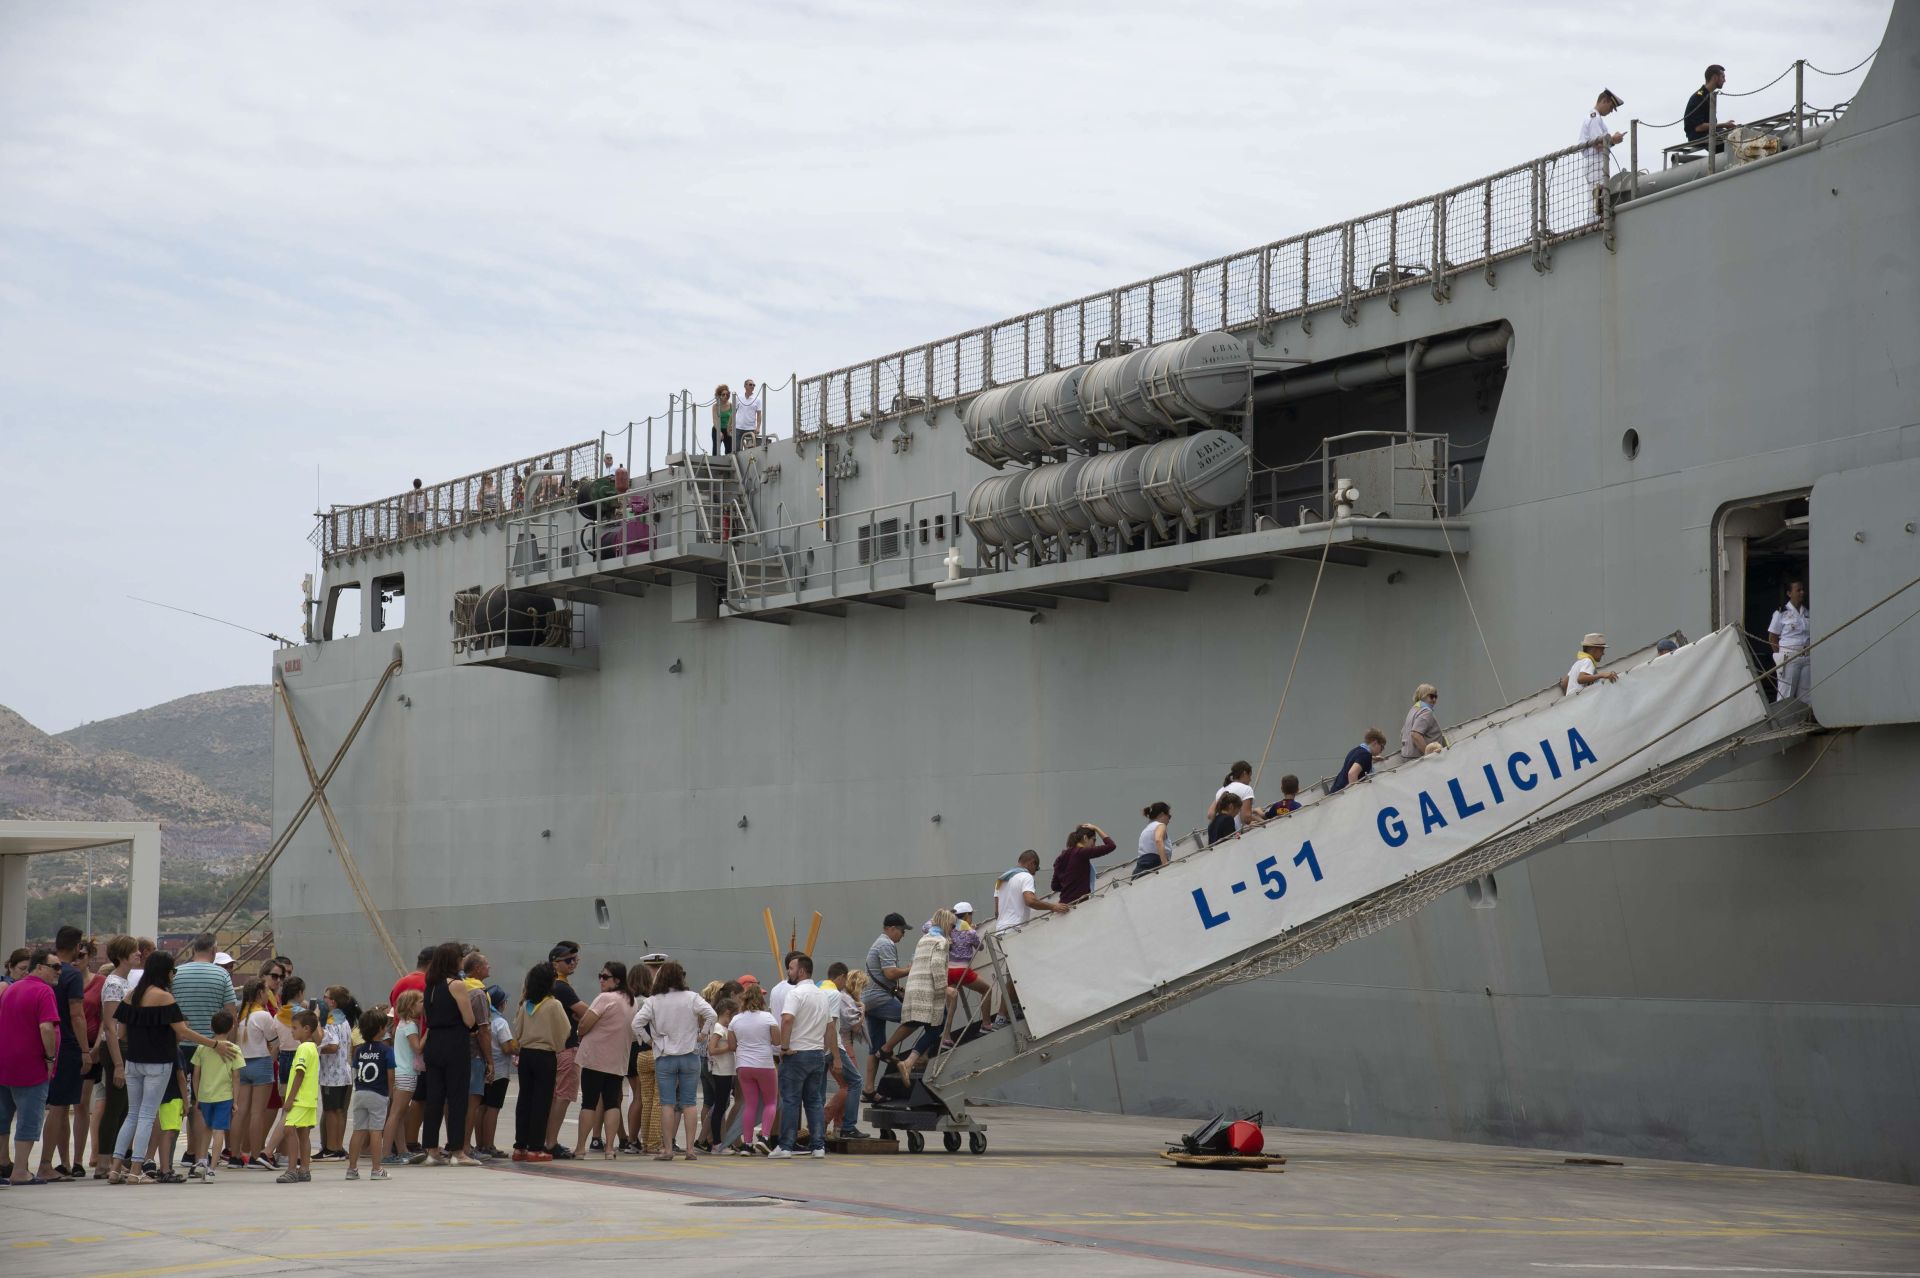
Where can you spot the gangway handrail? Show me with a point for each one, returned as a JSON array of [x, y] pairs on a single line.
[[1384, 884], [1361, 918]]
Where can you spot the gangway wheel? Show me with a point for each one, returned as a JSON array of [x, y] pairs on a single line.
[[952, 1141], [976, 1142], [916, 1143]]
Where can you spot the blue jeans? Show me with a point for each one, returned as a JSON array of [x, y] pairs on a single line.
[[24, 1109], [803, 1081], [146, 1084], [851, 1072], [879, 1015]]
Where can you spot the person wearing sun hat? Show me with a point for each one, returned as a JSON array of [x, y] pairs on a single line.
[[1586, 667]]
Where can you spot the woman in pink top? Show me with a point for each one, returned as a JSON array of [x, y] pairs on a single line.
[[605, 1035]]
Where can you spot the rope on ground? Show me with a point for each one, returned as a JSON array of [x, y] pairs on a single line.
[[1674, 801], [1300, 643]]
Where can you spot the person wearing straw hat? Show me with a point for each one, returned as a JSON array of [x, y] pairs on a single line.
[[1586, 668]]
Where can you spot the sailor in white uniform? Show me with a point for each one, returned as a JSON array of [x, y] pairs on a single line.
[[1789, 633]]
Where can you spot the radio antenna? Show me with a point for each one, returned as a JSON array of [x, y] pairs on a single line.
[[264, 634]]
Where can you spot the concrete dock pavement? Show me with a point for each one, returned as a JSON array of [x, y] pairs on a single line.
[[1075, 1193]]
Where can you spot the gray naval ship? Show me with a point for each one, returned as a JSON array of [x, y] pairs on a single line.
[[941, 606]]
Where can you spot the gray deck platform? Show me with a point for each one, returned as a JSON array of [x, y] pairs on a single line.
[[1075, 1193]]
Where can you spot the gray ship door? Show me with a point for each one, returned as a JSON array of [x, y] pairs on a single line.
[[1866, 544]]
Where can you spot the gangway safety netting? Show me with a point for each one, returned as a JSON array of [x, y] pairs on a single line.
[[1512, 783]]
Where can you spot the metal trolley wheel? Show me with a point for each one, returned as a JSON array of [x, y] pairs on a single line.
[[976, 1142], [916, 1143], [951, 1140]]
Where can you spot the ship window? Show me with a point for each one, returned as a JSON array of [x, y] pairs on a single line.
[[1630, 444], [924, 525], [602, 916], [343, 611], [939, 527], [390, 602], [879, 540], [1762, 545]]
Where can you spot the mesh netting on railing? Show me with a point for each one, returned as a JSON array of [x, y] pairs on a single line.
[[483, 495], [1419, 244]]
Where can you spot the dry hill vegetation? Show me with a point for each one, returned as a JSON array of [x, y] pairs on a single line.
[[202, 766]]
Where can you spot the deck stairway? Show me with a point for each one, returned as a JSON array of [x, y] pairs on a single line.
[[1513, 783], [675, 520]]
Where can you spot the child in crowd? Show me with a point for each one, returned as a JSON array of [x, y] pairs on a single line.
[[503, 1047], [213, 1091], [166, 1126], [1289, 800], [406, 1054], [303, 1099], [372, 1073], [336, 1071], [720, 1056]]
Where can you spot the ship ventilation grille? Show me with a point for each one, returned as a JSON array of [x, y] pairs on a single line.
[[879, 540]]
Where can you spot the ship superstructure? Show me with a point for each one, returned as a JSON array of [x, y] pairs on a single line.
[[959, 598]]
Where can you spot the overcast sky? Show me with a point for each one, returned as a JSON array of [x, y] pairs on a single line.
[[254, 253]]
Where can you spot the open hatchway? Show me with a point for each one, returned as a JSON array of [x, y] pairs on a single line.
[[1761, 546]]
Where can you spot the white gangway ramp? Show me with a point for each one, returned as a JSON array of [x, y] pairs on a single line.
[[1510, 783]]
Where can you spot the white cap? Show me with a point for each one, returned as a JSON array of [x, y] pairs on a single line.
[[963, 907], [223, 959]]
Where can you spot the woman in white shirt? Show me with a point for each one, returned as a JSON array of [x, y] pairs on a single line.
[[753, 1033], [259, 1037], [675, 1019]]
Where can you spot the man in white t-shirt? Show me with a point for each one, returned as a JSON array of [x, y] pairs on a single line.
[[1586, 667], [1014, 899], [747, 412], [809, 1054]]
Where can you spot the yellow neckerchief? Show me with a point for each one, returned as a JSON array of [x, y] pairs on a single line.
[[1588, 656]]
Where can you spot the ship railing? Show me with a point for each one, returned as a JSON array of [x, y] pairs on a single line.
[[901, 545], [1789, 126], [564, 628], [484, 495], [1398, 474], [672, 511], [1424, 243]]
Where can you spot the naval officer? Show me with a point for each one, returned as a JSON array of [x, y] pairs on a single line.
[[1789, 634]]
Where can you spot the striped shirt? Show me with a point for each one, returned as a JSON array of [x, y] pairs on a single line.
[[202, 989]]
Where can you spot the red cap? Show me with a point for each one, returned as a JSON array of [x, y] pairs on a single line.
[[749, 979]]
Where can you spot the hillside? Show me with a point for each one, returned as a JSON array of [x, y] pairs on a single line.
[[44, 777], [224, 738]]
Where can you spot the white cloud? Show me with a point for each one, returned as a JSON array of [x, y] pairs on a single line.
[[240, 239]]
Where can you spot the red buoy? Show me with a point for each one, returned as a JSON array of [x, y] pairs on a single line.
[[1245, 1138]]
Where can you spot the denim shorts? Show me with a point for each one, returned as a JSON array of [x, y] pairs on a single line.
[[678, 1078], [217, 1115], [25, 1109], [476, 1077], [257, 1072]]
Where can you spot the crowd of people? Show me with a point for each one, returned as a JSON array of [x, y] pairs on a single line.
[[109, 1053], [120, 1065]]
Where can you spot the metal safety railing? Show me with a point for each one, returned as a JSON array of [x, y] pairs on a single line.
[[541, 480], [1424, 243], [674, 511], [897, 546]]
